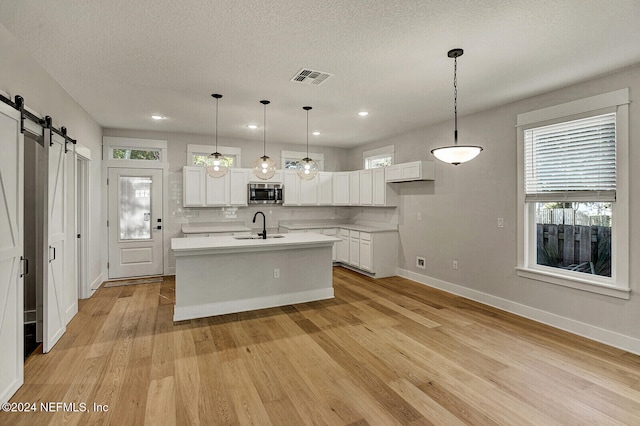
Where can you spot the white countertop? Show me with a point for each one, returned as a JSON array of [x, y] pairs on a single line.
[[204, 245], [212, 227], [350, 226]]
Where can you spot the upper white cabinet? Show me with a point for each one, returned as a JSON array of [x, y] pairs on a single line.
[[325, 188], [291, 188], [341, 188], [406, 172], [201, 190], [354, 188], [314, 192], [193, 186], [366, 187], [238, 186]]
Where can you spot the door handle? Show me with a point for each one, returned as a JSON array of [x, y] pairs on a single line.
[[25, 269], [54, 254]]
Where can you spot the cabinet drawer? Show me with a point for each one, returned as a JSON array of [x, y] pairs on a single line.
[[330, 231], [365, 236], [344, 233], [354, 234]]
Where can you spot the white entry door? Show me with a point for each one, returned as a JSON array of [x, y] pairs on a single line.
[[11, 227], [53, 301], [135, 222]]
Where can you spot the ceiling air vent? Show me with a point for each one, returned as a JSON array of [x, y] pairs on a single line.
[[312, 77]]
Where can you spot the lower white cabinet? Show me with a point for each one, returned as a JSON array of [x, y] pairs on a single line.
[[373, 252], [343, 246], [366, 252], [354, 248]]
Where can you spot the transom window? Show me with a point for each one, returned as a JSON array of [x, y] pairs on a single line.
[[135, 154], [199, 155], [290, 159], [379, 157]]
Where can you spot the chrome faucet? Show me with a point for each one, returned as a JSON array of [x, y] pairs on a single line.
[[264, 224]]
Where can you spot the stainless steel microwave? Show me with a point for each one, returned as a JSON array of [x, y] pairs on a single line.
[[265, 193]]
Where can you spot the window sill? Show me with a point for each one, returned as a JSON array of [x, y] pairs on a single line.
[[576, 283]]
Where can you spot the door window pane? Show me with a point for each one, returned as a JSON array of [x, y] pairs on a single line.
[[135, 208]]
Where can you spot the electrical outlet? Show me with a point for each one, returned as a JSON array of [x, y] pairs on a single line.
[[500, 222], [454, 265], [276, 273], [421, 262], [419, 216]]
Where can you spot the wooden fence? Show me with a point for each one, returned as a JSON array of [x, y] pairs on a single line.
[[576, 247], [571, 216]]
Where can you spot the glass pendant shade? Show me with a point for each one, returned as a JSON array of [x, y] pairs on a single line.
[[217, 169], [456, 154], [307, 169], [264, 168]]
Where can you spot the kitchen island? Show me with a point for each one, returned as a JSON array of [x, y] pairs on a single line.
[[223, 275]]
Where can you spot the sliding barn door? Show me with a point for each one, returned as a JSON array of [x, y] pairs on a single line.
[[11, 227], [54, 307]]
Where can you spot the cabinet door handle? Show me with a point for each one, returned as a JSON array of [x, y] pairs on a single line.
[[54, 254]]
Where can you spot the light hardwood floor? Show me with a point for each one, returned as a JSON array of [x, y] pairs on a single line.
[[385, 352]]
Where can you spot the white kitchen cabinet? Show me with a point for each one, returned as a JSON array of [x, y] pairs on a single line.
[[383, 194], [366, 187], [202, 190], [193, 186], [291, 188], [412, 171], [354, 188], [308, 191], [216, 190], [354, 248], [238, 186], [343, 246], [325, 188], [340, 186], [366, 252], [374, 253]]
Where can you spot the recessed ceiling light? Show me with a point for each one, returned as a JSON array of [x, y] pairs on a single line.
[[252, 126], [157, 117], [316, 133], [363, 113]]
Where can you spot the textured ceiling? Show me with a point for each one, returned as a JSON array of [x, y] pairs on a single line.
[[124, 60]]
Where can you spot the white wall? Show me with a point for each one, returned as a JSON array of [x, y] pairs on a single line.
[[460, 211], [21, 75]]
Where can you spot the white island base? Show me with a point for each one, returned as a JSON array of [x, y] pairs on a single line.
[[222, 275]]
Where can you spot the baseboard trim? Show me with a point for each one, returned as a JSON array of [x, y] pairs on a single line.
[[230, 307], [71, 312], [588, 331], [95, 285]]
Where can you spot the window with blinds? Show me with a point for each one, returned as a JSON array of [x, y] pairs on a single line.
[[572, 161]]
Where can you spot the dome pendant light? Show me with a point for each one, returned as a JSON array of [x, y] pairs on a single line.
[[307, 169], [264, 168], [456, 154], [218, 167]]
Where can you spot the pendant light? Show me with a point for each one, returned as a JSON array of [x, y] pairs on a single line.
[[307, 169], [264, 168], [218, 167], [456, 154]]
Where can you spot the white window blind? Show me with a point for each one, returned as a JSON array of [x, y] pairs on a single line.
[[572, 161]]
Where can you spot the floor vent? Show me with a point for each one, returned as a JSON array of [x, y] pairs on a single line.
[[311, 77]]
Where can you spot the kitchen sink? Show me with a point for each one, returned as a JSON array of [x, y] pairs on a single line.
[[256, 237]]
